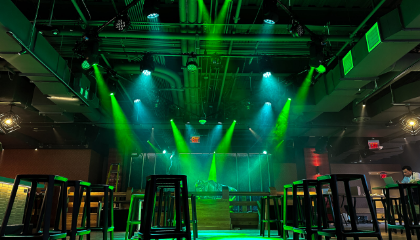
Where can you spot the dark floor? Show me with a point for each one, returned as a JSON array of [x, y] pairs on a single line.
[[253, 234]]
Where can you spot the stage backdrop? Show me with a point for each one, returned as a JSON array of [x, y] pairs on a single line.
[[245, 172]]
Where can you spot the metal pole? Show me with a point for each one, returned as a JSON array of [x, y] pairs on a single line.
[[80, 12]]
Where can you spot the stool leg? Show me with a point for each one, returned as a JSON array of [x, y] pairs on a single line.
[[159, 215], [337, 219], [64, 207], [268, 215], [47, 219], [370, 205], [111, 209], [75, 214], [308, 204], [353, 216], [87, 207], [10, 205], [130, 218], [186, 206], [105, 212], [29, 207], [295, 210], [404, 209]]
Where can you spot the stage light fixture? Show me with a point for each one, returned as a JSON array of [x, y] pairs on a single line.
[[192, 66], [266, 66], [85, 65], [151, 8], [220, 123], [268, 103], [122, 22], [267, 74], [264, 152], [36, 149], [296, 29], [172, 120], [9, 121], [111, 94], [270, 11], [147, 65], [136, 100], [234, 120], [91, 54], [202, 121], [321, 69], [164, 151], [289, 99], [316, 54], [364, 105]]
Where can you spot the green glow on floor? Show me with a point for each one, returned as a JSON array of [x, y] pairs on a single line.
[[224, 145], [281, 126], [213, 173], [304, 88]]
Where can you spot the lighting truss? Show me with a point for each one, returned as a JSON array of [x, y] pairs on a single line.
[[410, 123], [9, 122]]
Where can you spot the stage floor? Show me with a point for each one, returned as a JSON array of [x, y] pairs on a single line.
[[252, 234]]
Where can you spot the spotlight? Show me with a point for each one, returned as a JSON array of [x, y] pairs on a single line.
[[192, 66], [122, 22], [151, 8], [55, 31], [364, 104], [9, 121], [316, 54], [36, 149], [202, 121], [147, 65], [297, 30], [266, 66], [264, 152], [164, 151], [91, 54], [320, 69], [214, 152], [148, 141], [249, 128], [234, 120], [137, 101], [111, 94], [270, 11], [172, 120], [289, 99], [268, 103], [220, 123], [267, 74]]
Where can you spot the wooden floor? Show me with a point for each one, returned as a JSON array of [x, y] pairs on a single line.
[[251, 234]]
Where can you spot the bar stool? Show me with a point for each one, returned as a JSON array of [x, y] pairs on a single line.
[[339, 230], [155, 182], [308, 229], [194, 220], [79, 188], [408, 208], [134, 210], [287, 223], [264, 215], [46, 207], [108, 211]]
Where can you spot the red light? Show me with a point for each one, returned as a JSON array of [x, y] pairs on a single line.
[[383, 175], [195, 139]]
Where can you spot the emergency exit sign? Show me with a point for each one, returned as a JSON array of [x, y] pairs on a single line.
[[195, 139]]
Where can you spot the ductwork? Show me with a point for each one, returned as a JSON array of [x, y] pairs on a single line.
[[44, 67], [377, 53], [162, 72]]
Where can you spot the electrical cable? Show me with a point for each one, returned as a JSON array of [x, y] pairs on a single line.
[[90, 17]]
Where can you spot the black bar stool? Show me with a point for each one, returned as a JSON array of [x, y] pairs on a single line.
[[409, 214], [46, 207], [309, 228], [287, 223], [264, 215], [194, 220], [108, 210], [339, 230], [79, 188], [155, 183]]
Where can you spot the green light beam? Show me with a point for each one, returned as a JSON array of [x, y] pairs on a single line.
[[221, 17], [281, 126], [303, 91], [123, 134], [154, 147], [224, 145], [102, 87], [213, 173]]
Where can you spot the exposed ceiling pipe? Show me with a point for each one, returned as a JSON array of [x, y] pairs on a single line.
[[80, 12], [389, 82], [184, 48], [205, 37], [166, 74], [171, 83], [192, 77], [235, 19], [351, 39]]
